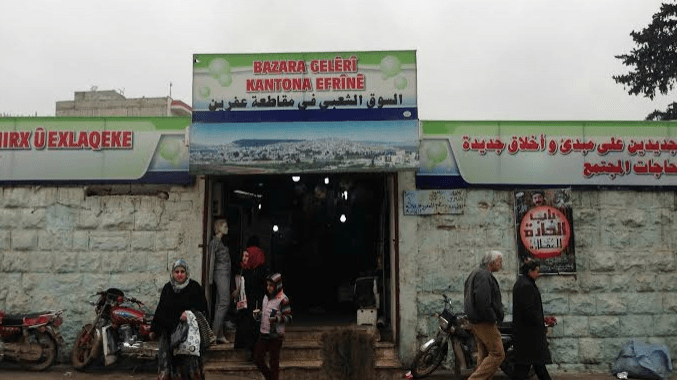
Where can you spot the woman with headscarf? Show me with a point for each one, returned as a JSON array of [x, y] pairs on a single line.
[[253, 270], [179, 296]]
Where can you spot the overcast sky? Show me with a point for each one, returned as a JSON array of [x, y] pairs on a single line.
[[476, 59]]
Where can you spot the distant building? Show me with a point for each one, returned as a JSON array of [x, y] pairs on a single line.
[[112, 103]]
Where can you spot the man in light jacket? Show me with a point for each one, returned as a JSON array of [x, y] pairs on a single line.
[[483, 306]]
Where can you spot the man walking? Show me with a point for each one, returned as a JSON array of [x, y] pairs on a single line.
[[482, 304]]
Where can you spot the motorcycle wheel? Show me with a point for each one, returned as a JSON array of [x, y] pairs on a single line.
[[47, 351], [84, 350], [508, 365], [427, 361]]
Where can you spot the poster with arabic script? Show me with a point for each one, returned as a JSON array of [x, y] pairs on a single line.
[[544, 229]]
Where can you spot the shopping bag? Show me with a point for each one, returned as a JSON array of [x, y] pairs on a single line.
[[242, 296], [191, 345]]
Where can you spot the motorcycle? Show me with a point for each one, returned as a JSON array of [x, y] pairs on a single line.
[[454, 329], [32, 340], [117, 330]]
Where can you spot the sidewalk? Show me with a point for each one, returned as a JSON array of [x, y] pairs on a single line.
[[67, 373], [446, 375]]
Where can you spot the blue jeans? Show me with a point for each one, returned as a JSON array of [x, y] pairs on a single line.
[[222, 282]]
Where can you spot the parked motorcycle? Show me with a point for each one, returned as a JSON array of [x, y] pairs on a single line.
[[117, 330], [455, 330], [32, 339]]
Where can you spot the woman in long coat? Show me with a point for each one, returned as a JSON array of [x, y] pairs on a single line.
[[254, 270], [531, 346], [179, 295]]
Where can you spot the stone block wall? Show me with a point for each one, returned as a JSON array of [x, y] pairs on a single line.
[[625, 287], [59, 246]]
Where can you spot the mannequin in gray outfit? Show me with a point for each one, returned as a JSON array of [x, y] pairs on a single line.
[[218, 272]]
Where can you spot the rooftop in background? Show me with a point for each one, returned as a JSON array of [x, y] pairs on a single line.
[[113, 103]]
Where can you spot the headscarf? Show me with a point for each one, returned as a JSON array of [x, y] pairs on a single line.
[[175, 285], [276, 279], [256, 258]]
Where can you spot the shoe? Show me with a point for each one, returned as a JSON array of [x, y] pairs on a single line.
[[221, 340]]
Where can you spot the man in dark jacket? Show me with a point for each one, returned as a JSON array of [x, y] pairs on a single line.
[[531, 346], [483, 306]]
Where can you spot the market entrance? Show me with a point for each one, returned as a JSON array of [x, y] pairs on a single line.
[[329, 236]]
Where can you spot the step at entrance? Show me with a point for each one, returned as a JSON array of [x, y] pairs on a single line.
[[300, 358]]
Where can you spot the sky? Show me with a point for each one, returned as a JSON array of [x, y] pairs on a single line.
[[476, 59]]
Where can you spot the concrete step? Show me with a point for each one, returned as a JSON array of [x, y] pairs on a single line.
[[294, 350], [304, 350], [301, 356], [296, 371]]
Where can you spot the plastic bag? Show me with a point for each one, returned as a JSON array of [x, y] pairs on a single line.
[[191, 345], [179, 334], [644, 361], [242, 296]]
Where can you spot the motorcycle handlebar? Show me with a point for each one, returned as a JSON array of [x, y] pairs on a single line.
[[129, 299], [134, 300]]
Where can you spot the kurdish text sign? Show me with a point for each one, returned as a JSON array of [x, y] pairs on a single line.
[[143, 150], [324, 86]]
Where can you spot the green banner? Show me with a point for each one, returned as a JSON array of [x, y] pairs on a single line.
[[134, 149], [551, 152]]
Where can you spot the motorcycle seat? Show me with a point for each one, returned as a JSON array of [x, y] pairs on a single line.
[[18, 319], [506, 327]]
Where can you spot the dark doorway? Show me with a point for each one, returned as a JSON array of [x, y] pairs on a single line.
[[321, 231]]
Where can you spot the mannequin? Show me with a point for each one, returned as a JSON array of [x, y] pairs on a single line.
[[218, 273]]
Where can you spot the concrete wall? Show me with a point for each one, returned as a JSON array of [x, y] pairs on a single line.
[[126, 107], [625, 287], [111, 103], [59, 245]]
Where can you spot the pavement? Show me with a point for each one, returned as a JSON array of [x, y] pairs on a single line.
[[68, 373], [62, 372]]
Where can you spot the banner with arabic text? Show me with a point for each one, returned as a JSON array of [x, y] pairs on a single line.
[[613, 153], [545, 230], [317, 86]]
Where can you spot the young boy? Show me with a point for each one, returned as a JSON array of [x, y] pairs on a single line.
[[275, 313]]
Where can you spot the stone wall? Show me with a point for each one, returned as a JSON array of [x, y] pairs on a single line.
[[625, 287], [60, 245]]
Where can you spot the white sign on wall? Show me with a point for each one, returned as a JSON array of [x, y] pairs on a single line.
[[432, 202]]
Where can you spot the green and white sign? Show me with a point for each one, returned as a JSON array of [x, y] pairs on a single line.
[[316, 86], [129, 149], [613, 153]]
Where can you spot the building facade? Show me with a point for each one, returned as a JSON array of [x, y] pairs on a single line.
[[112, 103], [333, 210]]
